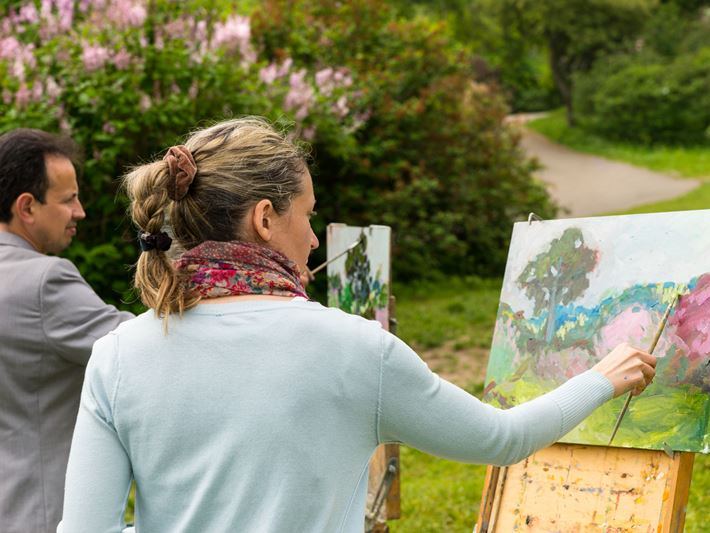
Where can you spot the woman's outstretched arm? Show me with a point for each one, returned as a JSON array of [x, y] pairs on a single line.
[[418, 408]]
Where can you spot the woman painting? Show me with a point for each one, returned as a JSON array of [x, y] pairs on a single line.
[[238, 405]]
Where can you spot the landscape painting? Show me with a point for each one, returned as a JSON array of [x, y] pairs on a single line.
[[359, 274], [574, 289]]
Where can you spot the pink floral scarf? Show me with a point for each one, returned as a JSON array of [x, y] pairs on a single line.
[[230, 268]]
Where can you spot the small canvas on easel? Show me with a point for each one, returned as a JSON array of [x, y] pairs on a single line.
[[574, 289], [358, 280]]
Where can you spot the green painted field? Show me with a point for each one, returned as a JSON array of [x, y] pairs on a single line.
[[662, 415]]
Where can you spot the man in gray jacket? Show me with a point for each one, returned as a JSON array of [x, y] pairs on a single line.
[[49, 320]]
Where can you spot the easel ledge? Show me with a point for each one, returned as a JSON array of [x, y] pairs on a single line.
[[585, 489]]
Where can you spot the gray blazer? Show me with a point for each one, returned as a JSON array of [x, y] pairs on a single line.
[[49, 320]]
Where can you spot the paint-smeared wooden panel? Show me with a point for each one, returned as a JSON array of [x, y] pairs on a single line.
[[588, 489]]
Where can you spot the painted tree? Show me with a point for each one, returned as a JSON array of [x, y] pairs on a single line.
[[559, 275], [357, 272]]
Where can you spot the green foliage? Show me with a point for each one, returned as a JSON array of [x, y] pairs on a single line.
[[652, 103], [692, 161], [666, 29], [579, 31], [400, 133], [434, 160], [504, 36], [126, 83], [656, 91], [514, 36]]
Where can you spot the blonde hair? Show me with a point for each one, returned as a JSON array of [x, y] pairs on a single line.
[[239, 162]]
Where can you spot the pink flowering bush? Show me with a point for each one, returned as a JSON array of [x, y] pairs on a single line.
[[126, 78], [401, 132]]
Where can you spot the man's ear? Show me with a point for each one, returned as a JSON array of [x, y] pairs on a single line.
[[263, 219], [23, 208]]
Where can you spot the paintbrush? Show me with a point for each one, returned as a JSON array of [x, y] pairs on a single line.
[[320, 267], [656, 338]]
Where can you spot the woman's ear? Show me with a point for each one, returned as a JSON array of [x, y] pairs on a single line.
[[263, 219]]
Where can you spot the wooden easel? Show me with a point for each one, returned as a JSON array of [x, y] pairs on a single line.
[[584, 489], [383, 493], [382, 476]]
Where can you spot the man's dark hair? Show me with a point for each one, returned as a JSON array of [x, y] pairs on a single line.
[[22, 164]]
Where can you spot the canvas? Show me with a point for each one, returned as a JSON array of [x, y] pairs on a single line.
[[359, 280], [574, 289]]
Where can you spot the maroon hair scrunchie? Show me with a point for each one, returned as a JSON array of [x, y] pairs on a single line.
[[182, 170]]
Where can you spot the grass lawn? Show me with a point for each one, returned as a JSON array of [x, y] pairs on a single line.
[[679, 161], [697, 199], [440, 495], [462, 310]]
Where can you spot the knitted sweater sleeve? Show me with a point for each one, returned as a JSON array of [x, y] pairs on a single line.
[[418, 408], [99, 472]]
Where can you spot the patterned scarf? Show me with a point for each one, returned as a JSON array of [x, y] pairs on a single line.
[[230, 268]]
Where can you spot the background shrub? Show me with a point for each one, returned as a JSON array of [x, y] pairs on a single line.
[[401, 132], [646, 101]]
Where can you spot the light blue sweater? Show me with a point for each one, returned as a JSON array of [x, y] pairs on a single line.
[[262, 415]]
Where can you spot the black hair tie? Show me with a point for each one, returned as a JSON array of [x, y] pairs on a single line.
[[154, 241]]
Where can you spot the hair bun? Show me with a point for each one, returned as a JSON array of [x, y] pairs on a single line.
[[182, 169]]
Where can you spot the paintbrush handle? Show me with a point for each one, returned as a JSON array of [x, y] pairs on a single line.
[[654, 343], [329, 261], [662, 325], [620, 417]]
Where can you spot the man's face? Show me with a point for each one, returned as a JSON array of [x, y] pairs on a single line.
[[56, 218]]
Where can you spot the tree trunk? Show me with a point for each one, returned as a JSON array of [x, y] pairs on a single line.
[[562, 78], [550, 329]]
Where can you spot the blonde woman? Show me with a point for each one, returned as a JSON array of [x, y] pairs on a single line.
[[238, 405]]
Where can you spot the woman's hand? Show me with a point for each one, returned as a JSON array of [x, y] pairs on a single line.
[[628, 369]]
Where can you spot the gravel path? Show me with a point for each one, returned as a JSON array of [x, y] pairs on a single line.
[[587, 185]]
